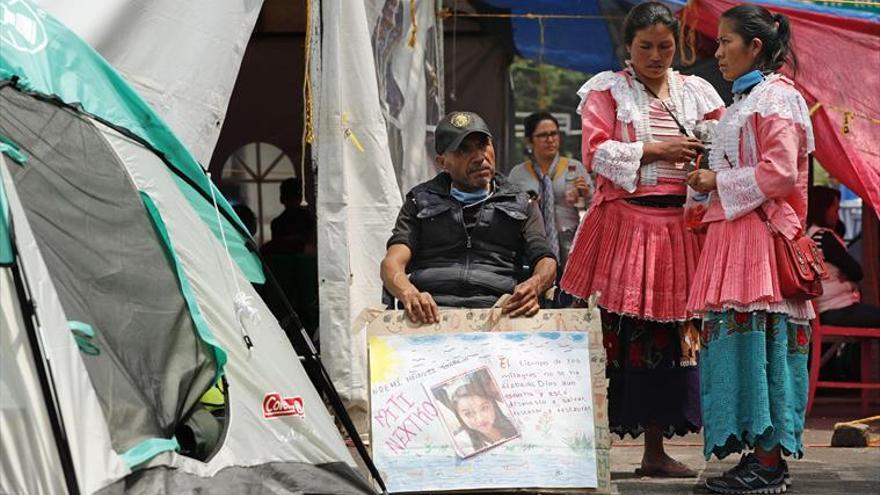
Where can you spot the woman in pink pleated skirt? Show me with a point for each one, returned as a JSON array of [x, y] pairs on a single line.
[[753, 359], [632, 247]]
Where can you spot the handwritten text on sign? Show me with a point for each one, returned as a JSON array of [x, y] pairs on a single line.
[[543, 379]]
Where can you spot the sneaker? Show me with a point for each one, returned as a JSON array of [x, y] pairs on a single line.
[[749, 477], [746, 457]]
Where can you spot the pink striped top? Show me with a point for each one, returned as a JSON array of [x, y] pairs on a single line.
[[664, 128]]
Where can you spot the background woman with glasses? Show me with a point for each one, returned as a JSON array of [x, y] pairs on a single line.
[[561, 184]]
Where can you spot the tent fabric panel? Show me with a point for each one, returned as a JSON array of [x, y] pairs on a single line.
[[96, 463], [182, 57], [201, 326], [109, 270], [269, 367], [65, 67], [237, 243], [70, 69], [276, 477], [358, 209], [5, 228], [11, 149], [30, 461]]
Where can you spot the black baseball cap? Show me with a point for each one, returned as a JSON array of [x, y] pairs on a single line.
[[454, 127]]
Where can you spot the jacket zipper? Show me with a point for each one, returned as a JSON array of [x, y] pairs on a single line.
[[467, 235], [467, 255]]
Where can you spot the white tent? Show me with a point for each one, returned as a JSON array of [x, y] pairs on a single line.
[[376, 74]]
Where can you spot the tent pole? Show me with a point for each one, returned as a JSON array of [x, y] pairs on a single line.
[[44, 372], [319, 375]]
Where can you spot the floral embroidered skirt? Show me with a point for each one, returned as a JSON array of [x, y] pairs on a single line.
[[653, 375], [754, 382]]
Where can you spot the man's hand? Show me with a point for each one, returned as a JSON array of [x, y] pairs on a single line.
[[420, 306], [702, 180], [524, 301]]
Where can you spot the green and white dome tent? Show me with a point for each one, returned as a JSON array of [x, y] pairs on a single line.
[[125, 295]]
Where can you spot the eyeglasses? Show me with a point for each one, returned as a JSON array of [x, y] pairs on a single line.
[[546, 135]]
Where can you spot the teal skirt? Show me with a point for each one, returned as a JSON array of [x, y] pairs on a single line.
[[753, 382]]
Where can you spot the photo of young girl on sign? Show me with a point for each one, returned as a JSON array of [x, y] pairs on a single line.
[[478, 421]]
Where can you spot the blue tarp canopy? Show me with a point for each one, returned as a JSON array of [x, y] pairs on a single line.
[[582, 34], [577, 34]]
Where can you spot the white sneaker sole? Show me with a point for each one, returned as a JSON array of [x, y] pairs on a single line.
[[769, 490]]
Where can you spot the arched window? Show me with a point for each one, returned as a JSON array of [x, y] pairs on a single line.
[[252, 176]]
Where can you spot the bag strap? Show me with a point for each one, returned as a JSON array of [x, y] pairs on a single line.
[[681, 128], [763, 216]]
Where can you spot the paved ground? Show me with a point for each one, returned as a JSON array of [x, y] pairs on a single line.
[[822, 471]]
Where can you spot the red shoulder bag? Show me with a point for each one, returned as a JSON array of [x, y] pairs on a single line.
[[799, 263]]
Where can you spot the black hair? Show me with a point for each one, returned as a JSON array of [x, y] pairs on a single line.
[[291, 188], [820, 199], [502, 422], [645, 15], [531, 122], [774, 31]]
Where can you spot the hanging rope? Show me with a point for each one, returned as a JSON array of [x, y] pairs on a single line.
[[857, 3], [542, 75], [308, 135], [454, 47], [848, 115], [242, 303], [415, 27], [445, 13]]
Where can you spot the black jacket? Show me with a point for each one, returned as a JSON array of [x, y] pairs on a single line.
[[469, 266]]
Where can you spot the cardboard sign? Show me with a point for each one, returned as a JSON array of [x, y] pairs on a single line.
[[480, 402]]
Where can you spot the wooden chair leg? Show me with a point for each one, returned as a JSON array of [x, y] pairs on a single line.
[[815, 364]]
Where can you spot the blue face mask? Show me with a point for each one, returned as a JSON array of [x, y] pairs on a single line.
[[747, 81], [468, 198]]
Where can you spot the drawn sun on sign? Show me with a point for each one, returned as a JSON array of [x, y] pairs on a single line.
[[383, 360]]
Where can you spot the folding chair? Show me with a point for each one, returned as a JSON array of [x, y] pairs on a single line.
[[863, 335]]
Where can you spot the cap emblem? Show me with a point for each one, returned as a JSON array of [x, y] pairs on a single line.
[[460, 120]]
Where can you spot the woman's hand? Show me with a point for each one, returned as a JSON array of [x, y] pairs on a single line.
[[676, 150], [702, 180], [582, 185]]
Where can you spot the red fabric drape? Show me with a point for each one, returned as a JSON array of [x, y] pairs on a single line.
[[839, 70]]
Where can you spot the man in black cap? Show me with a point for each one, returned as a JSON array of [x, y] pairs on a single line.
[[461, 238]]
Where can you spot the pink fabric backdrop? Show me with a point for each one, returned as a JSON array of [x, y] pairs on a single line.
[[839, 68]]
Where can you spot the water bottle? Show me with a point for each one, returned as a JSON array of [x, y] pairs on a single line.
[[696, 203], [572, 195]]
